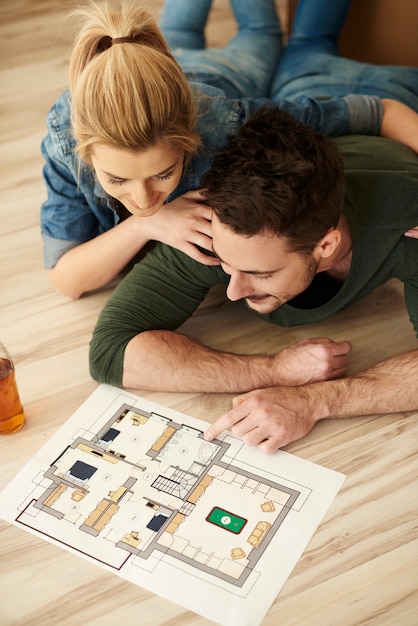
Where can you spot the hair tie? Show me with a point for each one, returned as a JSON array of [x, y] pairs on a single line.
[[129, 39]]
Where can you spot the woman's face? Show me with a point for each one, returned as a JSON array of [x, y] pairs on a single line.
[[141, 181]]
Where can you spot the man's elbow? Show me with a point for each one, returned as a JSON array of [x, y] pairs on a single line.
[[97, 372], [106, 359]]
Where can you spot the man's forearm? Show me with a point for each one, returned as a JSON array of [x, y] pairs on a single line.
[[388, 387], [169, 361]]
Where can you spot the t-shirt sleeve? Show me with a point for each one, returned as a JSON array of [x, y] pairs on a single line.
[[160, 293]]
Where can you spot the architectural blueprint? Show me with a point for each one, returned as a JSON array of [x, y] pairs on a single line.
[[134, 487]]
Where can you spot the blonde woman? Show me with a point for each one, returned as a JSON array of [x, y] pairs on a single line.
[[128, 144], [132, 112]]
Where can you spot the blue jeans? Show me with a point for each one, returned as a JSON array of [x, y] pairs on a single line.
[[243, 68], [311, 65]]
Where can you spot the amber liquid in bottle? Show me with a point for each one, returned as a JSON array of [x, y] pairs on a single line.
[[12, 416]]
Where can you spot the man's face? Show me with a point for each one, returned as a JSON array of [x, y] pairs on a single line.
[[261, 268]]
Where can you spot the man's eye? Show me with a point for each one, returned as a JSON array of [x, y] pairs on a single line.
[[262, 277]]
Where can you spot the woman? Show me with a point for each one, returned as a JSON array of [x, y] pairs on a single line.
[[128, 145], [128, 92]]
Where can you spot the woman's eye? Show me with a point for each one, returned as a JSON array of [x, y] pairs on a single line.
[[116, 181], [165, 177]]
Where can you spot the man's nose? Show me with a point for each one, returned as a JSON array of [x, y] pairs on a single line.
[[238, 287]]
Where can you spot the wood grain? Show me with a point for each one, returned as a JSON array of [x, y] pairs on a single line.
[[361, 565]]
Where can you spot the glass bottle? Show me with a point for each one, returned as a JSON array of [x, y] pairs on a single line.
[[12, 416]]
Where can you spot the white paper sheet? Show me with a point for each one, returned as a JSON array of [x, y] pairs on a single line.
[[133, 487]]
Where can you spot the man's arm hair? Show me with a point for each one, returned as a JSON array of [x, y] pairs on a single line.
[[273, 418]]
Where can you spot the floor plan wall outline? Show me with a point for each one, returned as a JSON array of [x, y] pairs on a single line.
[[143, 484], [135, 488]]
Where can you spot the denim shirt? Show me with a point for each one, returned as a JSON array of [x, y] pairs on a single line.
[[77, 209]]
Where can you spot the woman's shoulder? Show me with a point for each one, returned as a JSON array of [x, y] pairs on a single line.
[[60, 111], [217, 114], [59, 122]]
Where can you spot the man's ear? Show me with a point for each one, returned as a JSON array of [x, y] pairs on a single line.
[[329, 243]]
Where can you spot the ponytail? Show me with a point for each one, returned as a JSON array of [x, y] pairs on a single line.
[[127, 89]]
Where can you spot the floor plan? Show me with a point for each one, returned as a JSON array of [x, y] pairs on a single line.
[[137, 489]]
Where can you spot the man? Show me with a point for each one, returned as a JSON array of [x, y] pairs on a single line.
[[298, 250]]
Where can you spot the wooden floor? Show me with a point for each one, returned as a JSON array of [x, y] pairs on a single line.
[[361, 565]]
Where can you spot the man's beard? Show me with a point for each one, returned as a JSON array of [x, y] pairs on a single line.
[[270, 303]]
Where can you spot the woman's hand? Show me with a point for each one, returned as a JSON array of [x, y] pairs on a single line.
[[184, 223], [412, 232]]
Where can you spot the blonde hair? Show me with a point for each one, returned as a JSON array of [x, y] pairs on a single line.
[[131, 93]]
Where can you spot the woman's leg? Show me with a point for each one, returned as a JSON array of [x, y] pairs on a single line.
[[311, 66], [243, 68], [319, 21], [183, 23], [306, 65]]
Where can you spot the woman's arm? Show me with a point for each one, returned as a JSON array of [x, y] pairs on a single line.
[[184, 224], [95, 263], [399, 122]]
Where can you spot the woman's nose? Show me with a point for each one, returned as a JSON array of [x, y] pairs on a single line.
[[143, 195]]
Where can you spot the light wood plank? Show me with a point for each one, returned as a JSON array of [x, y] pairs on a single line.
[[361, 565]]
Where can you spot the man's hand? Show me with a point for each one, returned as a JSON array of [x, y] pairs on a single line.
[[273, 417], [312, 360], [267, 418]]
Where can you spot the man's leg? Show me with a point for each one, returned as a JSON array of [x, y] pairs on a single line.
[[243, 68]]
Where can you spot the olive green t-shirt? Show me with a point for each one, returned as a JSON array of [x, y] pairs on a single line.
[[164, 289]]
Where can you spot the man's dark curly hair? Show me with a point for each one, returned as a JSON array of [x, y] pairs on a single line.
[[277, 175]]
